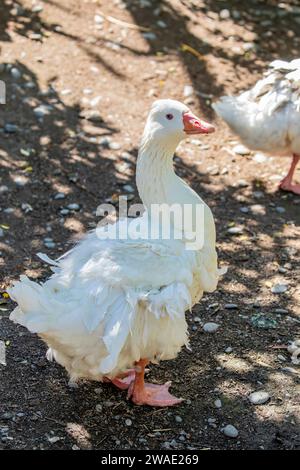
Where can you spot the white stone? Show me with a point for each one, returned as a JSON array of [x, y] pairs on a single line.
[[210, 327], [224, 14], [73, 207], [241, 150], [279, 288], [230, 431], [98, 19], [260, 158], [15, 73], [259, 398], [235, 230], [188, 91], [59, 196], [218, 403], [42, 110]]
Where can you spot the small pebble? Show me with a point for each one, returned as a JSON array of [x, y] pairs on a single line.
[[259, 398], [224, 14], [161, 24], [178, 419], [258, 194], [149, 36], [281, 357], [282, 270], [37, 8], [10, 128], [210, 327], [20, 181], [242, 183], [230, 306], [3, 189], [188, 91], [128, 422], [98, 408], [241, 150], [98, 19], [230, 431], [128, 188], [279, 288], [54, 439], [42, 110], [50, 245], [59, 196], [235, 230], [73, 207], [218, 403], [64, 211], [114, 146], [15, 73], [26, 207], [281, 311], [228, 350], [260, 158]]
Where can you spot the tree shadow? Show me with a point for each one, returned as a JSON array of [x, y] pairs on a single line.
[[185, 29], [20, 20], [54, 148]]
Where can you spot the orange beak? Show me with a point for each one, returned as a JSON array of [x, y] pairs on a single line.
[[194, 125]]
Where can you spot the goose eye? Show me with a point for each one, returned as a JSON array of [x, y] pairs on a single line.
[[169, 116]]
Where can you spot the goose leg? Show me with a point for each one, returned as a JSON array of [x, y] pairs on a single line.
[[143, 393], [124, 381], [286, 184]]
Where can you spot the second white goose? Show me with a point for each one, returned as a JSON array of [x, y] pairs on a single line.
[[267, 117]]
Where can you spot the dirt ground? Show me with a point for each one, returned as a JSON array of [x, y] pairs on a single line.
[[79, 102]]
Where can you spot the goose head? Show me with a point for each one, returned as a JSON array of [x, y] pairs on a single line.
[[170, 121]]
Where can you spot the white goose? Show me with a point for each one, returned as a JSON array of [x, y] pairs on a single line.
[[113, 305], [267, 117]]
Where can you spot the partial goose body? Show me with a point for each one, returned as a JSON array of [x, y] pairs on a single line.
[[115, 304], [267, 117]]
